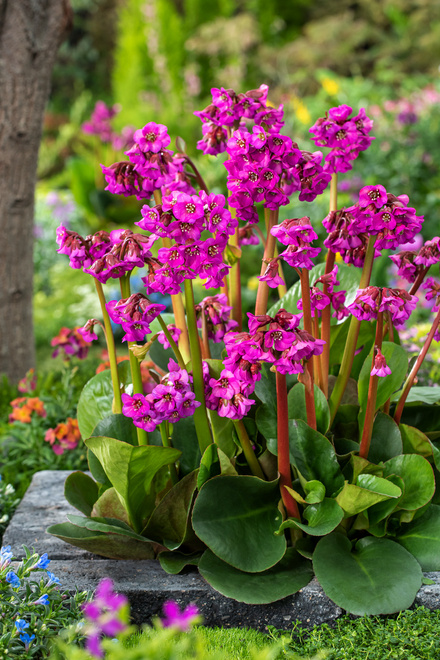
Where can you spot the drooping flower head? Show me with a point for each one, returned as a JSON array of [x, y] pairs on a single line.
[[372, 300]]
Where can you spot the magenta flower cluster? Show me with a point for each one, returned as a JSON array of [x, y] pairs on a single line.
[[411, 263], [100, 125], [344, 135], [214, 312], [182, 218], [104, 617], [151, 166], [229, 110], [283, 344], [372, 300], [169, 401], [319, 300], [377, 213], [134, 314]]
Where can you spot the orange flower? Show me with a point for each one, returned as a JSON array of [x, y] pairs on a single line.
[[64, 436], [23, 407]]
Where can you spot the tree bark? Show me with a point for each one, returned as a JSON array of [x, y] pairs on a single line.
[[30, 33]]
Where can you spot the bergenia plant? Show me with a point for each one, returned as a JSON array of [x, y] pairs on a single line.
[[292, 441]]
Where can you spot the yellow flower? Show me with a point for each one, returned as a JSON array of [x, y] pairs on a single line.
[[330, 86]]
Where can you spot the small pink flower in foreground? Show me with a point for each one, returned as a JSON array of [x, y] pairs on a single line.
[[174, 618], [380, 366], [106, 614]]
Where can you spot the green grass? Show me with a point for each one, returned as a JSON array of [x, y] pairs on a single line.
[[410, 635]]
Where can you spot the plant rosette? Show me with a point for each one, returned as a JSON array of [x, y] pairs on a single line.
[[297, 445]]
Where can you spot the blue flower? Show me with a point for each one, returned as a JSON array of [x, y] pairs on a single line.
[[43, 600], [13, 579], [26, 639], [5, 556], [21, 624], [43, 562], [52, 579]]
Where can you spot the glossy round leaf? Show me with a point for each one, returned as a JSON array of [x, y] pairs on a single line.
[[81, 491], [289, 575], [417, 476], [422, 538], [173, 562], [237, 518], [368, 491], [323, 518], [377, 577], [386, 440]]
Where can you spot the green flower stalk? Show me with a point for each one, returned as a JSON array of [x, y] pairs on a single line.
[[201, 422], [372, 391], [110, 341], [308, 379], [352, 337], [248, 451], [135, 367]]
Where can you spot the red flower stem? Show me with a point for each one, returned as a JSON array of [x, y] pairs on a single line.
[[283, 447], [282, 288], [420, 277], [372, 393], [249, 453], [324, 358], [135, 367], [307, 318], [263, 289], [418, 363], [235, 282], [201, 422], [111, 349], [352, 337]]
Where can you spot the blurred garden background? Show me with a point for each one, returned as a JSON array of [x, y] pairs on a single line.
[[157, 60]]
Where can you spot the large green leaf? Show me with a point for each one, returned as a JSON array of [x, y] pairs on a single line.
[[169, 523], [423, 417], [114, 545], [214, 462], [96, 399], [386, 440], [289, 575], [297, 406], [313, 456], [185, 438], [118, 427], [428, 395], [397, 360], [417, 476], [377, 577], [382, 510], [422, 538], [110, 506], [323, 518], [131, 471], [237, 518], [368, 490], [415, 441], [81, 491], [106, 526]]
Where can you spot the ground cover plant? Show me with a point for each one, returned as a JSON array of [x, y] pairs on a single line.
[[297, 445], [33, 608]]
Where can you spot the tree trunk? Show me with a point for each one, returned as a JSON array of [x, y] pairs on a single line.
[[30, 33]]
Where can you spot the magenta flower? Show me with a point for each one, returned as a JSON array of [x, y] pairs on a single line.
[[152, 137], [174, 618], [380, 365], [175, 333], [105, 615]]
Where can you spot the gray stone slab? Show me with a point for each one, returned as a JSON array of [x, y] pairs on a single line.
[[147, 586]]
